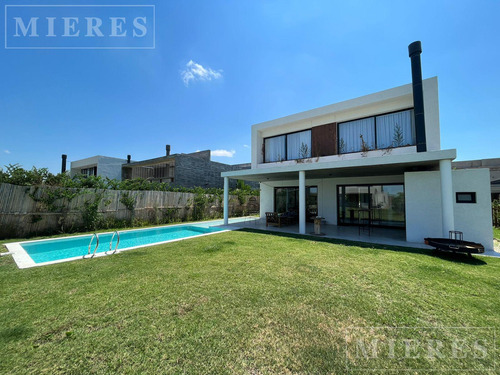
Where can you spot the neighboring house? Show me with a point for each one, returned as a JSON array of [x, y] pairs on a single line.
[[187, 170], [492, 164], [103, 166], [378, 155]]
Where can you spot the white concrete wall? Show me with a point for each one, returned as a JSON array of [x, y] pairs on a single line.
[[431, 111], [474, 219], [266, 199], [394, 99], [78, 165], [106, 166], [423, 206], [110, 167]]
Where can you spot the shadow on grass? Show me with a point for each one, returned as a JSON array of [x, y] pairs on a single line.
[[14, 334], [456, 258], [216, 246]]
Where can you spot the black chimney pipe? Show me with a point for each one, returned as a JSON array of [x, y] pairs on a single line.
[[128, 159], [167, 148], [414, 50], [63, 164]]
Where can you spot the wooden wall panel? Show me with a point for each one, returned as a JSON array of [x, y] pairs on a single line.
[[324, 140]]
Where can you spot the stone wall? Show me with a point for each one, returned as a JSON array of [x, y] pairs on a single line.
[[192, 171]]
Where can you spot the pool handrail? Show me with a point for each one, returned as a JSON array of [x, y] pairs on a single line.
[[90, 244], [111, 242]]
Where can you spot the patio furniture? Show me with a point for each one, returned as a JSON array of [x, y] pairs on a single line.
[[274, 218], [289, 218], [317, 225], [364, 220]]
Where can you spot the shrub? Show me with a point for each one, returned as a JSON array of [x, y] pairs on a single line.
[[16, 175]]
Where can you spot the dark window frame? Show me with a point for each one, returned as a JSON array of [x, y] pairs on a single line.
[[375, 129], [264, 147], [473, 196], [338, 138], [86, 171], [368, 185], [286, 144], [291, 187]]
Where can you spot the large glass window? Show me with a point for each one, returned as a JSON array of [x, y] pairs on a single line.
[[356, 136], [298, 145], [288, 147], [395, 130], [352, 201], [275, 148], [380, 205], [286, 199], [392, 130]]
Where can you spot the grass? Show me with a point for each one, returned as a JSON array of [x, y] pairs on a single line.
[[239, 302], [496, 233]]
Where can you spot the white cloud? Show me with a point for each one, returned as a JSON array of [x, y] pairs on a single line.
[[196, 72], [246, 146], [6, 151], [223, 153]]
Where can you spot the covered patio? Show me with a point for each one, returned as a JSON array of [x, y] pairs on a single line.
[[388, 167], [382, 236]]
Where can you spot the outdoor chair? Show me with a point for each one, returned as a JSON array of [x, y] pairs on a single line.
[[274, 218]]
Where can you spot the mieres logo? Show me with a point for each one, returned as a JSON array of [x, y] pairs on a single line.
[[79, 26], [420, 349]]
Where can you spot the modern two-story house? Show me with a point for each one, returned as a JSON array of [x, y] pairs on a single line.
[[377, 158]]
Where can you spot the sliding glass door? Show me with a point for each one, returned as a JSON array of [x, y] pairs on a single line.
[[286, 199], [379, 205]]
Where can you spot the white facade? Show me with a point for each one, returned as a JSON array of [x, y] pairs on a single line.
[[106, 166], [430, 185], [378, 103], [423, 206]]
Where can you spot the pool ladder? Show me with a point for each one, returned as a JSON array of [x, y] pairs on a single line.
[[111, 243], [96, 236]]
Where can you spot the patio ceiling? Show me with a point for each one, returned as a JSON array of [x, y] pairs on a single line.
[[369, 166]]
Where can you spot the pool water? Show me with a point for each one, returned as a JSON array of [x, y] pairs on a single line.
[[64, 248]]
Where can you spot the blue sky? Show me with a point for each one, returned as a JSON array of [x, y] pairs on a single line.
[[260, 60]]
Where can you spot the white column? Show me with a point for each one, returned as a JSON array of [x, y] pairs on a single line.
[[302, 202], [226, 200], [446, 197]]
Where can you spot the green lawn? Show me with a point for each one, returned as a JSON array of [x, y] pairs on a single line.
[[496, 233], [238, 302]]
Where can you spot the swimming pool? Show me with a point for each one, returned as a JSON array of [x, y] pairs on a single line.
[[42, 252]]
